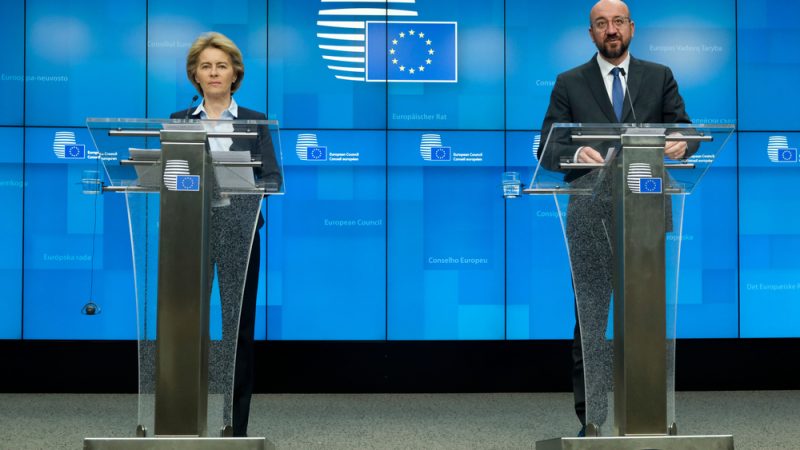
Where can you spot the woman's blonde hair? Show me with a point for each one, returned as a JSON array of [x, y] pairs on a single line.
[[214, 40]]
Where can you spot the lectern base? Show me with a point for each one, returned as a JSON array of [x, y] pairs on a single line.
[[177, 443], [724, 442]]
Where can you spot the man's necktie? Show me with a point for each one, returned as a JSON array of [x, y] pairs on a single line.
[[617, 96]]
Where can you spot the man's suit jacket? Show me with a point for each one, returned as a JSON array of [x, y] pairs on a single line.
[[580, 96], [259, 148]]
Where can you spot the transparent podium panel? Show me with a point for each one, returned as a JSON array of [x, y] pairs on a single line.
[[593, 207], [674, 241], [244, 165], [246, 153], [557, 170], [588, 228], [143, 215], [231, 236]]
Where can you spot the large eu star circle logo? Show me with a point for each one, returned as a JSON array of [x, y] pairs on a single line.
[[440, 153], [74, 150], [424, 48], [316, 153], [650, 185], [187, 182], [786, 155]]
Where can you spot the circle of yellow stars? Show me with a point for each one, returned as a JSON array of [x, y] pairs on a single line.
[[396, 62]]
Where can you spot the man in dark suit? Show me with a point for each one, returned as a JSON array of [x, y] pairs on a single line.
[[602, 91]]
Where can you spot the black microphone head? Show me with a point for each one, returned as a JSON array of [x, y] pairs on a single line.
[[189, 109]]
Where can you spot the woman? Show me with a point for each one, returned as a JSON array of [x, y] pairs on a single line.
[[214, 66]]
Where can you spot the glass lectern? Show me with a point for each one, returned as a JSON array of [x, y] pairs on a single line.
[[194, 191], [622, 221]]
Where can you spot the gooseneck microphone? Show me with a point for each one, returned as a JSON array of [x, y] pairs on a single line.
[[189, 109], [628, 94]]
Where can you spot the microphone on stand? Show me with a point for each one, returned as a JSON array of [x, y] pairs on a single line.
[[189, 109], [628, 94]]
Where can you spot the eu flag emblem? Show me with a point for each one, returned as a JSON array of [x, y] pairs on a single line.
[[412, 51], [787, 155], [317, 153], [188, 183], [650, 185], [440, 154], [75, 151]]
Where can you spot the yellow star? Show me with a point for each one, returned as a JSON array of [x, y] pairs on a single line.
[[428, 61], [430, 52], [428, 42], [422, 68], [394, 41], [402, 68], [411, 71], [394, 61], [391, 51], [402, 35], [411, 32], [421, 35]]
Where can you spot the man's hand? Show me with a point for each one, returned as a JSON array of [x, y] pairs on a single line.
[[675, 149], [589, 155]]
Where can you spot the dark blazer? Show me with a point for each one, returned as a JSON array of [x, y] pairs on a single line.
[[580, 96], [260, 148]]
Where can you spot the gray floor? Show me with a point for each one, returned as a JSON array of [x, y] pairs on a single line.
[[758, 420]]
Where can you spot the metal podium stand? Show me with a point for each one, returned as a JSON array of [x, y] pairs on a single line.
[[192, 213], [622, 221]]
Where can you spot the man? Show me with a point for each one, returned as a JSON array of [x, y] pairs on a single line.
[[602, 91]]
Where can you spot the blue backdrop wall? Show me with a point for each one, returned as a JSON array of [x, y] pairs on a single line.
[[386, 242]]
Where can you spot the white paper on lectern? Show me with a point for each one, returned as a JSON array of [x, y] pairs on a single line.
[[233, 177], [227, 177], [145, 173]]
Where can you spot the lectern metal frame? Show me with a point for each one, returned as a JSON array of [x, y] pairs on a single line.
[[182, 346], [638, 243], [182, 351]]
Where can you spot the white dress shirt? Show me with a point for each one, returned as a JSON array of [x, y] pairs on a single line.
[[219, 144]]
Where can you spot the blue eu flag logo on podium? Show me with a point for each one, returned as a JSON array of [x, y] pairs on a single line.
[[441, 154], [188, 182], [412, 51], [75, 151], [787, 155], [650, 185], [317, 153]]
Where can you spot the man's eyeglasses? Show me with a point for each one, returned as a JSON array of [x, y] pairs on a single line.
[[602, 24]]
